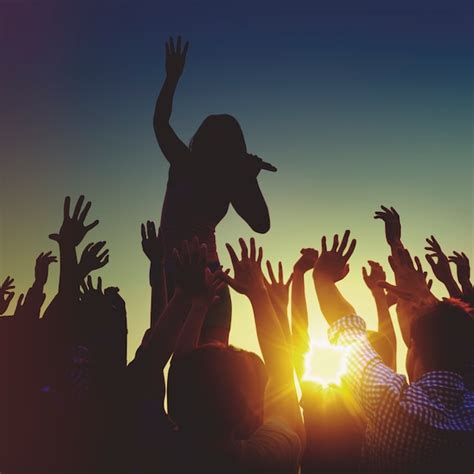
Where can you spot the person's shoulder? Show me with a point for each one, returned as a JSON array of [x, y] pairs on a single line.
[[276, 427], [273, 447], [184, 167]]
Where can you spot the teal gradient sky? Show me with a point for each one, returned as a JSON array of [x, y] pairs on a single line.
[[356, 106]]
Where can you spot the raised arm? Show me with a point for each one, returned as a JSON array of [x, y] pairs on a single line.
[[385, 324], [202, 287], [145, 372], [104, 327], [441, 267], [393, 228], [190, 285], [463, 271], [279, 292], [411, 289], [172, 147], [331, 267], [35, 297], [299, 309], [72, 232], [6, 294], [153, 247], [93, 257], [367, 378], [280, 399]]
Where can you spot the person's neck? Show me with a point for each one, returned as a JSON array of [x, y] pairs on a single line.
[[422, 371]]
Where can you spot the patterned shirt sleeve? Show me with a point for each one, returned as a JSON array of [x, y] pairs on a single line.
[[371, 382], [274, 447]]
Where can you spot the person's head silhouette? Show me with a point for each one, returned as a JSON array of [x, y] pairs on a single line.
[[217, 390], [441, 339], [219, 137]]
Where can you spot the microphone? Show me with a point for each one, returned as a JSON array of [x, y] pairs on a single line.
[[268, 167], [263, 165]]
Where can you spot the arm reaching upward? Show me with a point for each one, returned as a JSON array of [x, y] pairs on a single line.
[[411, 289], [441, 267], [463, 271], [72, 232], [193, 290], [299, 309], [279, 291], [330, 268], [154, 248], [385, 324], [393, 228], [172, 147], [35, 296], [92, 260], [6, 294], [200, 304], [280, 399]]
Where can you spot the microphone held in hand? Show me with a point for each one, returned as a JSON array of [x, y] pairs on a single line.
[[268, 167], [259, 164]]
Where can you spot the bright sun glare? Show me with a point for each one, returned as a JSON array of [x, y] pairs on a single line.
[[325, 363]]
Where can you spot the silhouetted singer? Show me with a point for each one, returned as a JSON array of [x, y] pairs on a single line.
[[214, 171]]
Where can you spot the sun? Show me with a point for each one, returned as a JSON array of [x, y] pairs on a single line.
[[325, 363]]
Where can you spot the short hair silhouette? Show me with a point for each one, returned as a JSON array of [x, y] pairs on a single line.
[[217, 389], [443, 335]]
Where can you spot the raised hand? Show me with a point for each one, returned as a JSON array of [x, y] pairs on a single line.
[[43, 262], [100, 299], [213, 286], [73, 229], [29, 306], [91, 259], [6, 294], [463, 270], [376, 275], [88, 291], [393, 228], [175, 57], [191, 263], [441, 267], [383, 301], [332, 264], [93, 298], [307, 260], [331, 267], [372, 280], [278, 290], [411, 284], [20, 306], [411, 289], [152, 242], [248, 277]]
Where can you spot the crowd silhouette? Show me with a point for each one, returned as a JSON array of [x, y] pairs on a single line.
[[70, 402]]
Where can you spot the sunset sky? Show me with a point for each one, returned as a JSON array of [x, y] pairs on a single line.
[[357, 106]]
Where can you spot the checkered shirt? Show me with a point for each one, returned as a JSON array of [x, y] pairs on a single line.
[[429, 423]]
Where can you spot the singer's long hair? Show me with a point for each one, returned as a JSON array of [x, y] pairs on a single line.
[[218, 137]]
